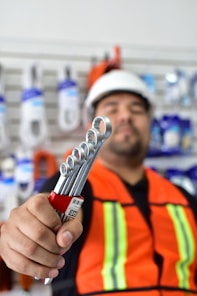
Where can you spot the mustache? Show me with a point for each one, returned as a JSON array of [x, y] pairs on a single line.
[[128, 126]]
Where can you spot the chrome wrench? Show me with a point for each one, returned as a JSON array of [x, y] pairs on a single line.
[[65, 197]]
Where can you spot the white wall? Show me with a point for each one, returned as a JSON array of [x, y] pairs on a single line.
[[153, 35], [132, 22]]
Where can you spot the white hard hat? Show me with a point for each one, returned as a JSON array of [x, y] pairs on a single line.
[[117, 80]]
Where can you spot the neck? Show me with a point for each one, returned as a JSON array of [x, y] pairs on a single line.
[[126, 168]]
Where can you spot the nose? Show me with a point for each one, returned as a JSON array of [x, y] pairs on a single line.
[[125, 114]]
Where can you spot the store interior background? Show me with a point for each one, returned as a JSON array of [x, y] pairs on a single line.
[[154, 37]]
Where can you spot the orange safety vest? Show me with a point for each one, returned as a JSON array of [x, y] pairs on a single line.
[[118, 254]]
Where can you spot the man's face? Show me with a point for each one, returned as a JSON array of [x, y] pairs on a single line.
[[130, 125]]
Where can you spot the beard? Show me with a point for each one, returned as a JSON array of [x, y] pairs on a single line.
[[130, 146], [128, 149]]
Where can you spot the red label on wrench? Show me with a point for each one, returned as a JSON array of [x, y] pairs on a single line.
[[66, 204]]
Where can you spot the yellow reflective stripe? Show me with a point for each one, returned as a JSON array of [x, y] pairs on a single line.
[[113, 271], [186, 245]]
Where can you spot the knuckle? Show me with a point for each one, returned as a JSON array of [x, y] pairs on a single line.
[[11, 266], [30, 249], [35, 203], [39, 233], [13, 213]]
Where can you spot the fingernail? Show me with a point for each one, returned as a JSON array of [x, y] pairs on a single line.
[[53, 273], [61, 263], [68, 238]]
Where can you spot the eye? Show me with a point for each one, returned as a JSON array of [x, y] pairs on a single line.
[[137, 109], [112, 110]]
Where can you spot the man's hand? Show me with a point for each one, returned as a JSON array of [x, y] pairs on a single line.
[[33, 239]]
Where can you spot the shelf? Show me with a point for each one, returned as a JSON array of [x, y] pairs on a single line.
[[179, 161]]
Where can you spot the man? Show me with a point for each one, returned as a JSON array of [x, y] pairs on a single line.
[[140, 231]]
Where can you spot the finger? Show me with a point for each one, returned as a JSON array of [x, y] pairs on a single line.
[[24, 246], [35, 231], [68, 233], [34, 252], [40, 207], [29, 267]]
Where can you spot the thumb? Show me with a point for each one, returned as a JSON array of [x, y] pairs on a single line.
[[68, 234]]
